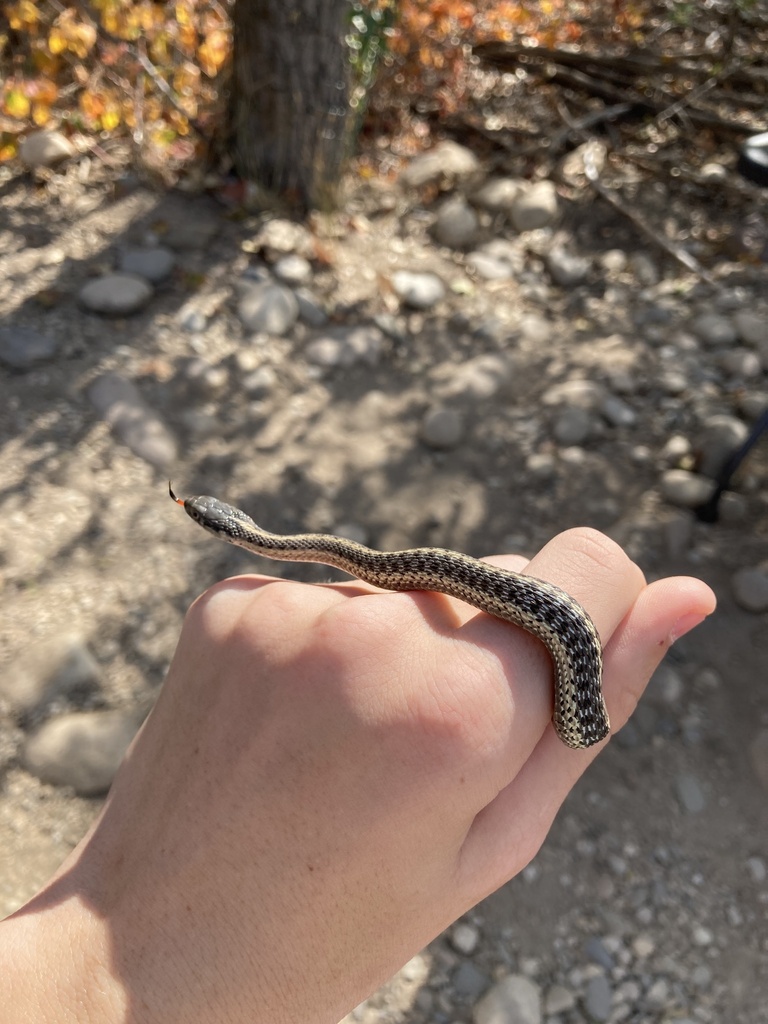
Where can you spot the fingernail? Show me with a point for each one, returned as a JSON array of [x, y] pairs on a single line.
[[685, 624]]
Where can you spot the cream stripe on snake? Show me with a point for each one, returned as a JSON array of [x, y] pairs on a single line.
[[545, 611]]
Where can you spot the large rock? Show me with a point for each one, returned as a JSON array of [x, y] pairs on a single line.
[[45, 148]]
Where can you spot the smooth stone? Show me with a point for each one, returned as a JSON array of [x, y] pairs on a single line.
[[598, 999], [740, 362], [498, 195], [153, 264], [750, 589], [558, 999], [758, 757], [702, 936], [535, 206], [469, 981], [643, 946], [684, 489], [657, 996], [480, 377], [116, 294], [456, 224], [757, 869], [645, 269], [701, 977], [311, 311], [448, 160], [465, 938], [293, 269], [442, 428], [572, 426], [61, 665], [513, 1000], [594, 950], [82, 750], [345, 346], [714, 331], [24, 347], [751, 329], [567, 270], [45, 148], [690, 794], [259, 382], [617, 412], [194, 321], [584, 394], [665, 687], [419, 291], [267, 308], [133, 421], [489, 267]]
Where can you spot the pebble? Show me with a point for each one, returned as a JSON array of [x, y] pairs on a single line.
[[643, 946], [586, 394], [23, 347], [701, 977], [259, 382], [293, 269], [535, 206], [456, 224], [194, 321], [442, 428], [645, 269], [478, 378], [311, 311], [598, 999], [45, 148], [116, 294], [690, 794], [594, 950], [513, 1000], [419, 291], [740, 363], [446, 161], [139, 427], [345, 346], [714, 330], [558, 999], [566, 269], [82, 750], [497, 195], [469, 981], [702, 936], [666, 686], [46, 670], [572, 426], [153, 264], [465, 938], [489, 267], [751, 329], [268, 308], [719, 437], [687, 490], [657, 996], [750, 589], [617, 412], [757, 869]]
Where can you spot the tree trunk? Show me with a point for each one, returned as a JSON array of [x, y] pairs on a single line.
[[290, 97]]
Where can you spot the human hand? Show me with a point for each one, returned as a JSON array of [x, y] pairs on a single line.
[[330, 777]]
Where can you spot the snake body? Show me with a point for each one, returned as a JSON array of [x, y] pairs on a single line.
[[547, 612]]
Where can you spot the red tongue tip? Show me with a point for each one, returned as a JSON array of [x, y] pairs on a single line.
[[179, 501]]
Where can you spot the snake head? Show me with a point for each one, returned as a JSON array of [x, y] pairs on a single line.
[[213, 515]]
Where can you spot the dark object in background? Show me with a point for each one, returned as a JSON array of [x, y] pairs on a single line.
[[753, 159], [709, 511]]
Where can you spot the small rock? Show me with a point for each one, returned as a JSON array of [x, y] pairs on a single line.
[[657, 996], [701, 977], [690, 794], [419, 291], [513, 1000], [345, 346], [751, 329], [702, 936], [268, 308], [645, 269], [61, 665], [757, 869], [567, 270], [45, 148], [714, 331], [464, 938], [585, 394], [141, 429], [643, 946], [23, 347], [293, 269], [558, 999], [595, 950], [740, 363], [81, 750], [666, 686], [617, 412], [447, 161], [489, 267], [193, 320], [498, 195], [260, 382], [116, 294], [598, 999], [456, 225], [687, 490], [572, 426], [469, 981], [720, 436], [311, 311], [535, 206], [153, 264], [750, 589], [477, 378], [592, 153], [442, 428]]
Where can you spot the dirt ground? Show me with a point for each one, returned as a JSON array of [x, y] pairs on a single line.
[[92, 546]]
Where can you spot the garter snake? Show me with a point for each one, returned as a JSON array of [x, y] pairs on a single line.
[[540, 608]]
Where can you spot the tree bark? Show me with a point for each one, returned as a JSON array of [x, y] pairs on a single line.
[[289, 104]]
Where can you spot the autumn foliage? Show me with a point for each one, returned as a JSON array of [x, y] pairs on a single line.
[[154, 71]]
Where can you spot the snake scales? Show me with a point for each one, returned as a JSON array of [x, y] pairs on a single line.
[[548, 613]]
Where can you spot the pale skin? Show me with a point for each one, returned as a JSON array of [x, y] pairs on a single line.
[[330, 777]]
